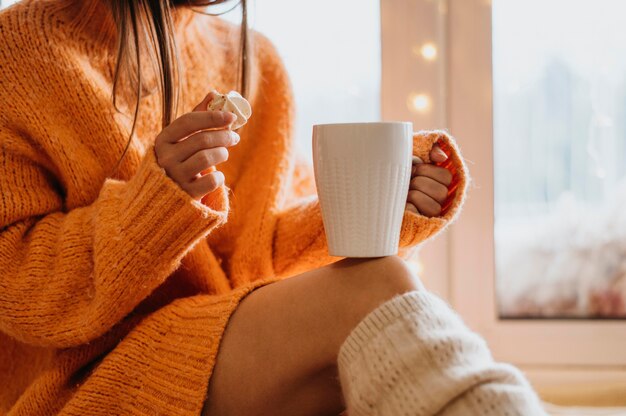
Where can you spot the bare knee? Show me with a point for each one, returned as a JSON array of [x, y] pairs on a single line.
[[382, 276], [393, 273], [365, 284]]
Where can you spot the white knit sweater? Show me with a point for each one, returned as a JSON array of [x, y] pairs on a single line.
[[414, 356]]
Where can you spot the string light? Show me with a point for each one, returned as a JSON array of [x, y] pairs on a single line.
[[419, 103], [429, 51]]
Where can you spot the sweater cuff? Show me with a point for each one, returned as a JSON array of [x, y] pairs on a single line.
[[429, 312], [416, 227], [162, 218]]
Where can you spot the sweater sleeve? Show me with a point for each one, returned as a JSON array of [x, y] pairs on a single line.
[[68, 276], [300, 241]]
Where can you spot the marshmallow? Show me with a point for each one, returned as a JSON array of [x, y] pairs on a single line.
[[234, 103]]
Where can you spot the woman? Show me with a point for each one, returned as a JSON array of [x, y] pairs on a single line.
[[127, 266]]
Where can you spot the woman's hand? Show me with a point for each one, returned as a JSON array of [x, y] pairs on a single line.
[[428, 189], [190, 147]]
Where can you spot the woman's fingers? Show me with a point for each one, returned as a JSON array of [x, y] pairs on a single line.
[[437, 155], [424, 203], [441, 175], [205, 184], [202, 160], [430, 188], [194, 143], [183, 150], [193, 122]]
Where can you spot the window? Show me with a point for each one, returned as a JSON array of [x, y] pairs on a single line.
[[560, 157]]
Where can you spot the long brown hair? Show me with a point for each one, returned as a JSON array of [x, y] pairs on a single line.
[[148, 24]]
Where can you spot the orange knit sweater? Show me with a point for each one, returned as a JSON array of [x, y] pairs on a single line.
[[115, 291]]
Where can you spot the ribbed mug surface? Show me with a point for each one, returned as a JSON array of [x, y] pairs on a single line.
[[362, 173]]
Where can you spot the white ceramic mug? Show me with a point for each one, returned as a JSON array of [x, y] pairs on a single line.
[[362, 173]]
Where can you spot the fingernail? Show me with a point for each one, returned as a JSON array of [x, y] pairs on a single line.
[[417, 160], [442, 153], [219, 177], [236, 137]]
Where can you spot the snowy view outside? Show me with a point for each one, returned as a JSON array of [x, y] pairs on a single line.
[[560, 157]]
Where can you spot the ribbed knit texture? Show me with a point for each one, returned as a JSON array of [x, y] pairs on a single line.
[[115, 289], [413, 356]]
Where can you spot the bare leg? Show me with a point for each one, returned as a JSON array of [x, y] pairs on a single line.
[[279, 352]]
